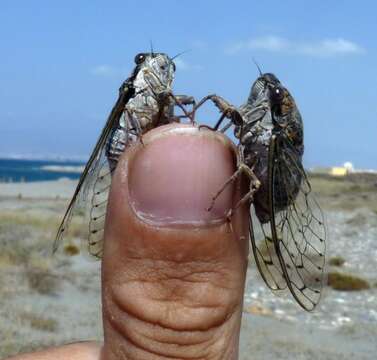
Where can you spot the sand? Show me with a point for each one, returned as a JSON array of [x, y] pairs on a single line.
[[62, 188]]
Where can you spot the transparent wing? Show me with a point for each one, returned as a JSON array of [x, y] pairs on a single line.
[[265, 254], [98, 191], [89, 201], [297, 224], [289, 245]]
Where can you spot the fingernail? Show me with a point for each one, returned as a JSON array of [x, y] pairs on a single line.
[[174, 176]]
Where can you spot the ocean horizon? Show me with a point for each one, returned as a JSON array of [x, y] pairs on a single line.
[[29, 170]]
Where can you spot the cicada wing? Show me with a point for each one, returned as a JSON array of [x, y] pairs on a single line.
[[98, 193], [264, 253], [87, 203], [259, 229], [297, 224]]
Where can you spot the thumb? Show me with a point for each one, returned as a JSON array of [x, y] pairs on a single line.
[[173, 273]]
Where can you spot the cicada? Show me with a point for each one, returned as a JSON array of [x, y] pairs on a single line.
[[287, 227], [145, 101]]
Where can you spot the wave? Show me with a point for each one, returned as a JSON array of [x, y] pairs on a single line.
[[63, 168]]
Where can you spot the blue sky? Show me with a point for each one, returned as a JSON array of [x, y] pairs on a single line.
[[62, 63]]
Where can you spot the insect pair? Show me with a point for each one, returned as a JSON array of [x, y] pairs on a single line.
[[287, 229]]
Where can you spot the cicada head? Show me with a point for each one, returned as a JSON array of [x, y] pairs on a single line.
[[269, 88], [155, 70]]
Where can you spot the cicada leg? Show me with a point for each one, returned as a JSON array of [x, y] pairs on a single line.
[[227, 110], [215, 128], [254, 186], [184, 100], [180, 101]]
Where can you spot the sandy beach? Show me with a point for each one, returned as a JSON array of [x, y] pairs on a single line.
[[49, 300]]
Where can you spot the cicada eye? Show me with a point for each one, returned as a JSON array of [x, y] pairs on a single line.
[[139, 58], [277, 94]]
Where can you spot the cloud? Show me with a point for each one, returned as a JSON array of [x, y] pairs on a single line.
[[332, 47], [185, 66], [181, 64], [104, 70], [322, 48]]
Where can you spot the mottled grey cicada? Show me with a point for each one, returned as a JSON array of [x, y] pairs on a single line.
[[145, 101], [287, 230]]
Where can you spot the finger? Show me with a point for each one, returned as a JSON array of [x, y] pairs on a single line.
[[173, 273]]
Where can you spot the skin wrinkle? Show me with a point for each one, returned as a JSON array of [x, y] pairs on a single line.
[[122, 306], [173, 258], [190, 304], [165, 279], [193, 267], [169, 281], [191, 272], [164, 270], [180, 298], [126, 350], [126, 334], [206, 344], [148, 351], [166, 331]]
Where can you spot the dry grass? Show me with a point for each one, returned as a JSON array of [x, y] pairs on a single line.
[[12, 257], [51, 224], [23, 218], [42, 281], [358, 220], [330, 185], [347, 282], [337, 261], [346, 193], [39, 322], [23, 234], [38, 273]]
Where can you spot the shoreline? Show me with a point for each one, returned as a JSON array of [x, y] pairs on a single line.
[[62, 188]]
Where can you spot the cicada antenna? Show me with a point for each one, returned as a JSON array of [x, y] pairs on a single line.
[[257, 65], [181, 53]]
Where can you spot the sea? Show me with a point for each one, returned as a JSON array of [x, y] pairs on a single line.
[[23, 170]]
